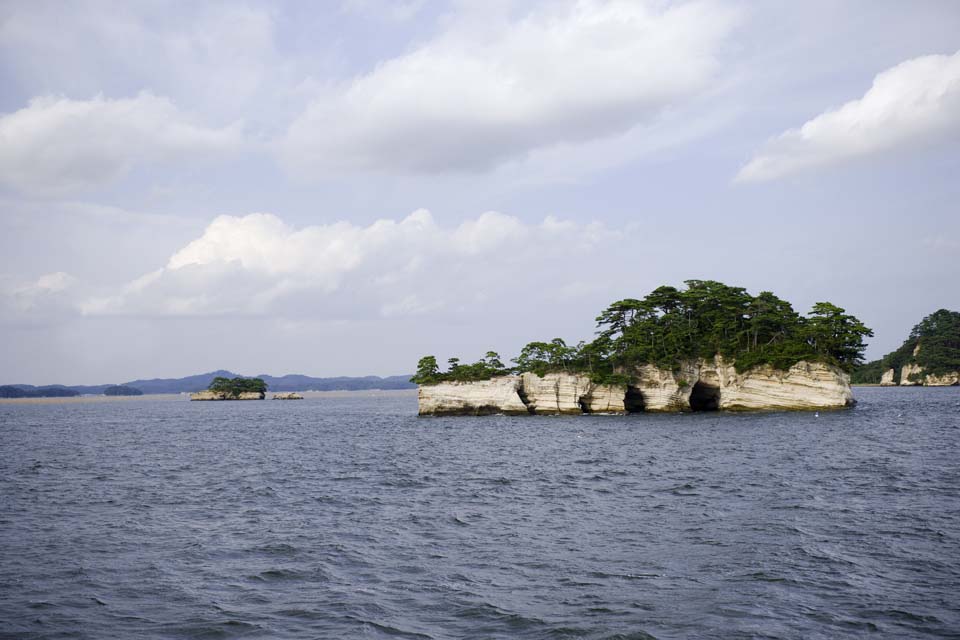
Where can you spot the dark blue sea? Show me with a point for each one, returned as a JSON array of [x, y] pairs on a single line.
[[349, 517]]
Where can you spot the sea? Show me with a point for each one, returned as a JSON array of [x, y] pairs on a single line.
[[347, 516]]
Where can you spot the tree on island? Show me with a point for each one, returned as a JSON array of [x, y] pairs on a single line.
[[671, 325], [938, 339], [233, 387]]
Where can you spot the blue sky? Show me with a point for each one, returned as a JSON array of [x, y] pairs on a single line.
[[339, 188]]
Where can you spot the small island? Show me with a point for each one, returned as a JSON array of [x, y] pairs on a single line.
[[287, 395], [704, 348], [122, 390], [929, 357], [233, 389]]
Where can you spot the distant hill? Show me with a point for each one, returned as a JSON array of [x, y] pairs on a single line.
[[189, 384], [121, 390], [932, 348], [17, 391]]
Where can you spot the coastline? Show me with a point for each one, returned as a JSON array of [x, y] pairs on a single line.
[[185, 397]]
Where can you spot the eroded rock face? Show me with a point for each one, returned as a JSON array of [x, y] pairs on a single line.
[[666, 390], [219, 395], [483, 397], [806, 385], [887, 379], [605, 398], [950, 379], [695, 385], [715, 384], [552, 394], [911, 370], [568, 393]]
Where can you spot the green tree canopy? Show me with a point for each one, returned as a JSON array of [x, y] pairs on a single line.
[[235, 386], [670, 325]]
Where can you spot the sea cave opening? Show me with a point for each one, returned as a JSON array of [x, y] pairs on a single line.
[[705, 397], [633, 401]]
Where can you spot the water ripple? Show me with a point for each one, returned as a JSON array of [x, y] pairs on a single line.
[[349, 517]]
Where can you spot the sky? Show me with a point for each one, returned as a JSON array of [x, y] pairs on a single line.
[[339, 188]]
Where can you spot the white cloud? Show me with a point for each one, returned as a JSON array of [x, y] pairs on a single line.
[[49, 295], [258, 264], [914, 103], [58, 144], [480, 94], [214, 56]]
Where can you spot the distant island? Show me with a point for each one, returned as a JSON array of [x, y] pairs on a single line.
[[18, 391], [238, 388], [200, 382], [930, 356], [122, 390], [707, 347]]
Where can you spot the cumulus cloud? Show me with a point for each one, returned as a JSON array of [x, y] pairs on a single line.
[[479, 94], [914, 103], [56, 144], [257, 264]]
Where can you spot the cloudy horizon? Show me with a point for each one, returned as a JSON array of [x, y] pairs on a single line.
[[278, 188]]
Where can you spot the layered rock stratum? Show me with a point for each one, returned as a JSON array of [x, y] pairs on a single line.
[[694, 385]]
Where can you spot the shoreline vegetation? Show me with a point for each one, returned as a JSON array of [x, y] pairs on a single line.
[[671, 326], [931, 349]]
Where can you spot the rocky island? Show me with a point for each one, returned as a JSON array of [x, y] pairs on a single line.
[[708, 347], [233, 389], [929, 357]]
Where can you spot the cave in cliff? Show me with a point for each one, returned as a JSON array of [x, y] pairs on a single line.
[[633, 400], [705, 397]]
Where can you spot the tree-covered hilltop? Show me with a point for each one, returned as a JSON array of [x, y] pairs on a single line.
[[10, 391], [233, 387], [937, 335], [122, 390], [671, 325]]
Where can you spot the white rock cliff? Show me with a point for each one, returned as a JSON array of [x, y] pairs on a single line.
[[715, 384], [694, 385], [887, 379]]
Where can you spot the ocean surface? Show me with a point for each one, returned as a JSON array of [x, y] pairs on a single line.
[[349, 517]]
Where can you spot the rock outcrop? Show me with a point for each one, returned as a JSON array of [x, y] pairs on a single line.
[[804, 386], [608, 398], [552, 394], [950, 379], [483, 397], [290, 395], [908, 370], [715, 384], [555, 393], [219, 395], [888, 378], [700, 385]]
